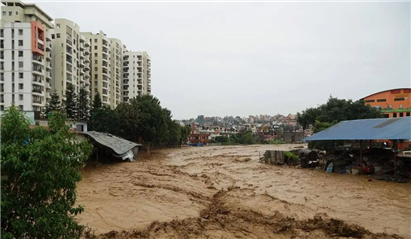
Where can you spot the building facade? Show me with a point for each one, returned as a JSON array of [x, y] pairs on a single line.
[[137, 75], [71, 58], [26, 54], [106, 67], [393, 103]]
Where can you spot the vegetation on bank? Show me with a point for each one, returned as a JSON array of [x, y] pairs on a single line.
[[40, 169], [142, 120]]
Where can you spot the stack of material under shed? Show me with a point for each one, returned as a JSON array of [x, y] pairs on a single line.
[[118, 147]]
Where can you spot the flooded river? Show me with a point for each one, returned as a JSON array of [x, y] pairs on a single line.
[[225, 192]]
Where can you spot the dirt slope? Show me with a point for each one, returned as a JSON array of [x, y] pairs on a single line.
[[224, 192]]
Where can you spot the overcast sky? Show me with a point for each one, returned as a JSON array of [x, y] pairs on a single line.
[[220, 59]]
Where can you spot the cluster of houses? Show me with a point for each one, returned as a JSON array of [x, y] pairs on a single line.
[[205, 133]]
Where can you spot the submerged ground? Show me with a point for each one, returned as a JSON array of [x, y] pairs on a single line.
[[225, 192]]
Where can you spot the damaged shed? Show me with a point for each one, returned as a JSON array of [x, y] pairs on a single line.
[[107, 145]]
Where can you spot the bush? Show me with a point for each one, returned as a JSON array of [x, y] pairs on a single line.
[[276, 141], [40, 169]]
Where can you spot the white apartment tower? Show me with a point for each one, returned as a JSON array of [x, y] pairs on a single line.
[[137, 74], [71, 58], [106, 67], [25, 56]]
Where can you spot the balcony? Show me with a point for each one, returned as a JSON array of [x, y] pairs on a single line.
[[105, 92], [37, 59], [68, 40], [48, 56], [48, 85], [37, 90], [86, 53], [48, 75], [37, 100], [86, 60], [37, 80], [82, 47], [106, 79], [48, 65], [69, 59], [37, 70], [48, 47]]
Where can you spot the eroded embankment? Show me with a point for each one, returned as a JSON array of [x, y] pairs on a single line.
[[225, 220]]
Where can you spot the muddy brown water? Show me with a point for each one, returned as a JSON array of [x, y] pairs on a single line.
[[225, 192]]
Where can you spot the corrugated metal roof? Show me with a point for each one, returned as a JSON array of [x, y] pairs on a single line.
[[367, 129], [119, 145]]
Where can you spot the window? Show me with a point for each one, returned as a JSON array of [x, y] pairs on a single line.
[[95, 61], [95, 68], [53, 36], [2, 107], [20, 32], [401, 114], [20, 53], [4, 13], [21, 75], [386, 116], [20, 97], [10, 13], [408, 113], [21, 107], [381, 100], [369, 101], [58, 35], [20, 64], [17, 13], [394, 115], [20, 86], [95, 54], [95, 47], [1, 33], [58, 25], [1, 76], [95, 40], [95, 76], [399, 99]]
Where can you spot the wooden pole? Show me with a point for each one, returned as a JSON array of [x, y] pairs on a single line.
[[395, 156], [360, 170]]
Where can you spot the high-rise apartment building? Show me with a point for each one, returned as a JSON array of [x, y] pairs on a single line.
[[71, 58], [137, 74], [116, 71], [25, 56], [106, 67]]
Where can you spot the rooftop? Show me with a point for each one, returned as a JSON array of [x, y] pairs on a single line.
[[367, 129]]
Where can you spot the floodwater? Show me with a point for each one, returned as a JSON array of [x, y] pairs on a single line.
[[225, 192]]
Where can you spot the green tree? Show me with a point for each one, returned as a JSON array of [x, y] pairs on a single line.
[[128, 121], [71, 102], [54, 104], [83, 105], [97, 101], [151, 125], [106, 120], [40, 169], [185, 133], [337, 110]]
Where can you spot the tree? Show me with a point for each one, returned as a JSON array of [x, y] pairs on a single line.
[[40, 169], [83, 105], [54, 104], [71, 102], [337, 110], [128, 121], [106, 120], [185, 133], [151, 124], [97, 101]]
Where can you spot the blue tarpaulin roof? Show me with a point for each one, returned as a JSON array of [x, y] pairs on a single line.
[[367, 129]]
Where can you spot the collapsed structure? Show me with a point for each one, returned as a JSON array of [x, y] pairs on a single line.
[[109, 146]]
